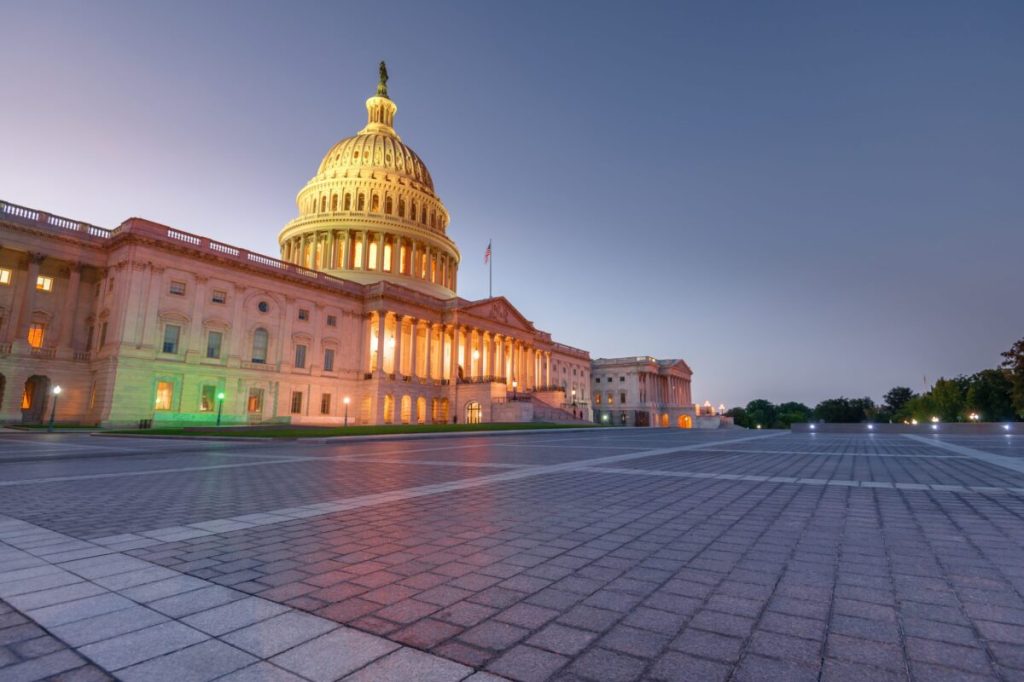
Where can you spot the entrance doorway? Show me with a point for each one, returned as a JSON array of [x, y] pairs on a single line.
[[685, 422], [34, 399], [474, 412]]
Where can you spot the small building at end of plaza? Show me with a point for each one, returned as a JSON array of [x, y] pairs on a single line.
[[646, 391]]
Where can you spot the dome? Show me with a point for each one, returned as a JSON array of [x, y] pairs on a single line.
[[376, 151], [371, 213]]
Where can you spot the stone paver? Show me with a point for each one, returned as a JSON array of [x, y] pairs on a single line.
[[617, 554]]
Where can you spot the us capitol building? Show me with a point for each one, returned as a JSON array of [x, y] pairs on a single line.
[[358, 318]]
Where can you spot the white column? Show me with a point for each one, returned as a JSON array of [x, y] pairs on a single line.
[[399, 333], [414, 329]]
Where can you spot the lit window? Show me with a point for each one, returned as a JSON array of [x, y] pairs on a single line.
[[164, 395], [332, 321], [178, 288], [207, 398], [255, 402], [213, 341], [219, 297], [260, 341], [5, 275], [597, 398], [303, 314], [172, 333], [300, 355], [296, 402], [325, 403], [36, 334], [329, 360], [44, 283]]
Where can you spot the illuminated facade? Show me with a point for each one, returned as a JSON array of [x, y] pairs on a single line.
[[147, 322], [645, 391]]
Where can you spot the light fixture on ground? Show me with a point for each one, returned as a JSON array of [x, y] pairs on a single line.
[[515, 387], [220, 406], [53, 410], [345, 400], [974, 417]]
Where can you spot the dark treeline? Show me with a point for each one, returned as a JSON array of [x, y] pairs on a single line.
[[990, 395]]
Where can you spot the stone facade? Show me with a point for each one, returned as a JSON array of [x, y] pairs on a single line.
[[360, 316], [645, 391]]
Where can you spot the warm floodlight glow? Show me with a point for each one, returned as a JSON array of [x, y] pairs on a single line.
[[391, 342], [935, 420], [476, 355], [974, 416], [758, 426], [346, 400], [914, 422], [57, 390]]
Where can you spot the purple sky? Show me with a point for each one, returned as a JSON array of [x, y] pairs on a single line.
[[801, 199]]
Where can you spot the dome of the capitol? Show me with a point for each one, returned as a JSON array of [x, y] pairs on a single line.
[[371, 213]]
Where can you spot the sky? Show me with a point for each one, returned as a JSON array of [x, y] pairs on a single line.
[[802, 199]]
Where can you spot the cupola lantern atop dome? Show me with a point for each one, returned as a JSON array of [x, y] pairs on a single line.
[[371, 212]]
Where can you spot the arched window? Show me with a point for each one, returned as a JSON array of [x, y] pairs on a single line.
[[389, 206], [412, 213], [323, 204], [334, 202], [348, 202], [375, 203], [474, 413], [260, 341], [401, 208], [361, 203], [423, 215]]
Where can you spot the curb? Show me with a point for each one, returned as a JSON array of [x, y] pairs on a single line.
[[324, 440]]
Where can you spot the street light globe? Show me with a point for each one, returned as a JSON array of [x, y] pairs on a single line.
[[345, 400], [56, 390], [476, 355], [935, 420], [220, 396]]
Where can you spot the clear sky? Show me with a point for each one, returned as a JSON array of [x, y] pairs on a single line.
[[802, 199]]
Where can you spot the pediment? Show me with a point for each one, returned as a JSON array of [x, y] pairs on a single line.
[[499, 310]]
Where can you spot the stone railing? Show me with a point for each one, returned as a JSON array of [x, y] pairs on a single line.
[[53, 223]]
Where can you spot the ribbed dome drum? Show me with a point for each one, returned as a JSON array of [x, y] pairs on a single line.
[[371, 213]]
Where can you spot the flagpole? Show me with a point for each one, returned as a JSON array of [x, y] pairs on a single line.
[[490, 271]]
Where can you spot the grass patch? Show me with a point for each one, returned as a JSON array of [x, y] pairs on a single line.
[[272, 431]]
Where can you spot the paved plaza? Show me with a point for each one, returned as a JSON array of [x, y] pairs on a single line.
[[611, 554]]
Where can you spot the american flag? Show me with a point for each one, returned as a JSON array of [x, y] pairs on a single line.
[[487, 253]]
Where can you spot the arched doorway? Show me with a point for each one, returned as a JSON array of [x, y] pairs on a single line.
[[389, 408], [474, 412], [421, 410], [685, 422], [406, 413], [34, 399], [663, 421]]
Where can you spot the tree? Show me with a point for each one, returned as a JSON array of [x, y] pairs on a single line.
[[897, 397], [837, 411], [1013, 361], [761, 412], [990, 395], [949, 398], [792, 413], [739, 416]]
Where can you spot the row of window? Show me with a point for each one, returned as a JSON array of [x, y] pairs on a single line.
[[260, 345], [611, 398], [388, 205], [609, 380], [178, 289], [43, 283]]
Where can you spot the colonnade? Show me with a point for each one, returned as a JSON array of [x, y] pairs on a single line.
[[371, 251], [664, 389], [433, 351]]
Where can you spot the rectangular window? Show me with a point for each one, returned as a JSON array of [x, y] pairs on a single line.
[[597, 380], [296, 402], [255, 402], [300, 355], [329, 360], [208, 398], [332, 321], [325, 403], [44, 283], [213, 340], [88, 338], [103, 335], [622, 378], [178, 288], [36, 334], [164, 395], [303, 314], [622, 398], [172, 332], [219, 297], [5, 276]]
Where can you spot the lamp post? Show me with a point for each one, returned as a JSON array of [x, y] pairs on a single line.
[[515, 386], [345, 400], [220, 406], [53, 410], [574, 397]]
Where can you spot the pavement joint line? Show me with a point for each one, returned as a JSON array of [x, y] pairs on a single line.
[[1011, 463], [155, 536], [737, 451], [668, 473], [162, 634]]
